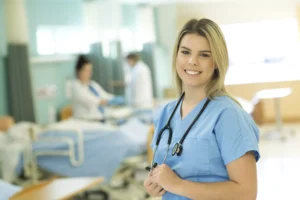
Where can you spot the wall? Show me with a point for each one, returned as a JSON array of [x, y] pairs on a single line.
[[290, 106], [237, 11], [3, 96], [3, 30], [165, 35], [129, 15], [100, 17], [51, 74], [51, 13]]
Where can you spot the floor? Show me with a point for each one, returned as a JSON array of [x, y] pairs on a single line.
[[278, 168]]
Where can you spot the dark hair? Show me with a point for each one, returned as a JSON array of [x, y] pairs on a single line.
[[133, 56], [81, 61]]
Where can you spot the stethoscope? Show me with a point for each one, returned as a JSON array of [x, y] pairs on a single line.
[[177, 149]]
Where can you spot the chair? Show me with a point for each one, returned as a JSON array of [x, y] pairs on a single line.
[[149, 140], [258, 113], [66, 112], [254, 107], [6, 122]]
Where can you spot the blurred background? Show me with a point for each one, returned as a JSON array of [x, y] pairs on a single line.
[[40, 41]]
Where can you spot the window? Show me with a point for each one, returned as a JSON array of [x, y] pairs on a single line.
[[61, 40], [262, 51]]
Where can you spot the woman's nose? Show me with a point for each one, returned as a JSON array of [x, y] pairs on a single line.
[[193, 61]]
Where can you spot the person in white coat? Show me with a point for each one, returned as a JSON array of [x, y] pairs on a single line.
[[138, 80], [87, 95]]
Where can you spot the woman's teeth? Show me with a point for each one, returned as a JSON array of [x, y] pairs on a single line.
[[192, 72]]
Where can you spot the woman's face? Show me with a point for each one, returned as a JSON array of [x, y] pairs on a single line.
[[194, 62], [85, 73]]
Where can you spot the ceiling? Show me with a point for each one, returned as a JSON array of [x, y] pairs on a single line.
[[198, 1], [172, 1]]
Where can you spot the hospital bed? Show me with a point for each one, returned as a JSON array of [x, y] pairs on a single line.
[[76, 148], [71, 147], [7, 190], [96, 150]]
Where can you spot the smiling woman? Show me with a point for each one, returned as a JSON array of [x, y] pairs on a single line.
[[211, 145]]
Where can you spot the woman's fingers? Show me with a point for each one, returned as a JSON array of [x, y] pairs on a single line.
[[162, 192]]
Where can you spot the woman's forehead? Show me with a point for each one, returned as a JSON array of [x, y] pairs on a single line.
[[194, 42]]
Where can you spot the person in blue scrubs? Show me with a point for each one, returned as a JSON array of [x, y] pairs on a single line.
[[214, 143]]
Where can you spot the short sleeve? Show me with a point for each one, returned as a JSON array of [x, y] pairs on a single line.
[[236, 135]]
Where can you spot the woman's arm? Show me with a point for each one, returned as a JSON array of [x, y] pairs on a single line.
[[83, 96], [103, 94], [242, 184]]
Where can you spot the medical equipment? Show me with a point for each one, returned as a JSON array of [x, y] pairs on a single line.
[[177, 149]]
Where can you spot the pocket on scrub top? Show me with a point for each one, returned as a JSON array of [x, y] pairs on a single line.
[[194, 160]]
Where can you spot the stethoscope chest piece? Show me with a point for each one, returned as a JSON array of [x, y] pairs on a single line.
[[177, 149]]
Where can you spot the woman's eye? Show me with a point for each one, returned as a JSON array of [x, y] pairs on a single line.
[[185, 52], [204, 55]]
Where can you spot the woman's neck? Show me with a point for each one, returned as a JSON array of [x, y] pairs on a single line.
[[84, 82], [194, 95]]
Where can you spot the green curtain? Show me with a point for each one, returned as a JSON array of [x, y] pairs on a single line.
[[20, 92], [102, 72], [108, 69], [3, 87], [117, 65]]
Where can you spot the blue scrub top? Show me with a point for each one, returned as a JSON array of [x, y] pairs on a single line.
[[223, 133]]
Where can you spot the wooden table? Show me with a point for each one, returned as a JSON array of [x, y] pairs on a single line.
[[57, 189]]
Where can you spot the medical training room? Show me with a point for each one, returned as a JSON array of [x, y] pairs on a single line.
[[149, 99]]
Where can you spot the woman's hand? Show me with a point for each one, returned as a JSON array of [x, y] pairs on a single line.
[[165, 177], [152, 188], [103, 102]]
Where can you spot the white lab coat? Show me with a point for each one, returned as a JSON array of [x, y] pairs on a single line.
[[85, 103], [139, 91]]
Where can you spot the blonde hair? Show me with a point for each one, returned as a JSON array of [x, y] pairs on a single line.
[[211, 31]]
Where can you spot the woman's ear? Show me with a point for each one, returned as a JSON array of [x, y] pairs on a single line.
[[216, 72]]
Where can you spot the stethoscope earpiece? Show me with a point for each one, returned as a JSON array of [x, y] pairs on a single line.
[[149, 168]]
